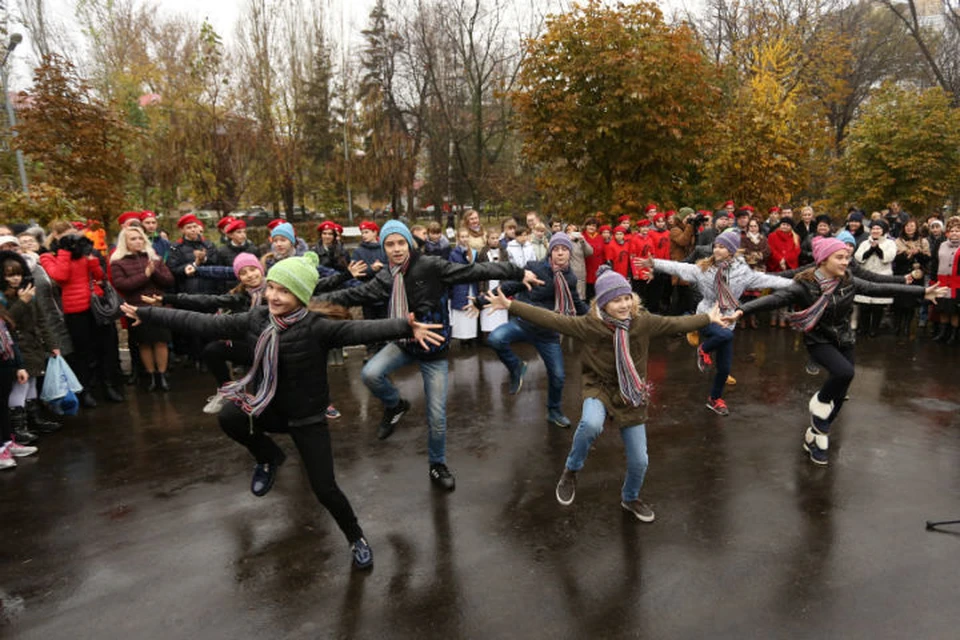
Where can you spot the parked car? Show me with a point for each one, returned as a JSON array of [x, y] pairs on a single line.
[[254, 216]]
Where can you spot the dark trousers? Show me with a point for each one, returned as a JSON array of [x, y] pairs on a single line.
[[7, 376], [591, 291], [217, 354], [870, 317], [96, 350], [683, 300], [839, 365], [313, 444], [719, 341], [655, 292]]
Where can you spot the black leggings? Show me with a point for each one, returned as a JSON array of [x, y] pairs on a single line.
[[8, 375], [839, 365], [313, 443], [217, 354]]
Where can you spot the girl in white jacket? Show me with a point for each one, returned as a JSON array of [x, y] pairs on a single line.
[[876, 254]]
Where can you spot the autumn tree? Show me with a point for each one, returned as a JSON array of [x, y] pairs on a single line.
[[613, 101], [79, 140], [905, 146]]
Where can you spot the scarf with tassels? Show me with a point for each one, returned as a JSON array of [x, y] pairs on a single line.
[[398, 295], [265, 363], [634, 389], [563, 298], [806, 319], [725, 298]]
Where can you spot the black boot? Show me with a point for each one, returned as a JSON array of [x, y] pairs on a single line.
[[134, 378], [952, 336], [18, 422], [151, 381], [161, 378], [87, 400], [37, 421], [944, 333], [112, 394]]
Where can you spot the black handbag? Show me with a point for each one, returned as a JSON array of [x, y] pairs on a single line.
[[105, 308]]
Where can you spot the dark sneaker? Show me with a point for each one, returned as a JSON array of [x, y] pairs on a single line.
[[816, 445], [391, 416], [718, 406], [264, 476], [362, 554], [567, 487], [640, 510], [704, 361], [516, 378], [558, 419], [441, 476]]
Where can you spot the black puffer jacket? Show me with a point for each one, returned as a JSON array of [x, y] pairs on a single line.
[[209, 303], [181, 255], [332, 257], [302, 394], [427, 280], [544, 295], [834, 325], [228, 252]]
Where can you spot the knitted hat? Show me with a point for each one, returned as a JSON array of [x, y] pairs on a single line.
[[823, 248], [685, 212], [846, 237], [720, 214], [856, 216], [610, 285], [298, 274], [395, 226], [9, 240], [823, 218], [247, 260], [559, 239], [284, 229], [880, 223], [730, 240]]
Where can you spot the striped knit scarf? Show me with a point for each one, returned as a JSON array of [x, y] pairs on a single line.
[[806, 319], [634, 389], [398, 295], [563, 298], [725, 297], [265, 362], [6, 342], [256, 295]]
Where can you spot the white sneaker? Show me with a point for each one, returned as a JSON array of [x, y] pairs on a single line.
[[6, 459], [214, 404], [20, 450]]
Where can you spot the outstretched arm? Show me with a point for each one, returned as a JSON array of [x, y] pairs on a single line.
[[567, 325], [205, 325]]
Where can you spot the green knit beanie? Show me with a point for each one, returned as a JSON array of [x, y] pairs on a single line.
[[298, 274]]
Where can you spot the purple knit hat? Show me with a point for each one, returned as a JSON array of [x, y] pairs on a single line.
[[823, 248], [245, 260], [559, 239], [610, 285], [730, 240]]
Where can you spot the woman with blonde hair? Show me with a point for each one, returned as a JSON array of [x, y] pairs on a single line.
[[138, 271]]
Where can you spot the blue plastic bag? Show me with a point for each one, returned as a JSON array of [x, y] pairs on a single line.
[[59, 381]]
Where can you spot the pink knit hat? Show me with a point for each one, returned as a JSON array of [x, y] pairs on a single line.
[[245, 260], [823, 248]]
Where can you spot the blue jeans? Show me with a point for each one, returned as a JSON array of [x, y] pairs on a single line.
[[719, 341], [376, 375], [634, 442], [549, 350]]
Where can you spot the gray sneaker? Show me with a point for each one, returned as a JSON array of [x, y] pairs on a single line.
[[640, 509], [567, 487]]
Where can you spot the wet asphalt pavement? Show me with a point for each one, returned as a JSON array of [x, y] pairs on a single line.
[[135, 521]]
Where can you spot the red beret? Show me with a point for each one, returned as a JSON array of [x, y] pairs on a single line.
[[671, 212], [273, 223], [147, 214], [729, 203], [188, 219], [127, 216], [705, 213], [372, 226], [338, 228], [78, 225], [620, 229], [646, 223], [234, 225], [224, 221], [623, 218], [749, 208], [327, 224], [650, 207], [773, 210], [604, 227], [659, 216]]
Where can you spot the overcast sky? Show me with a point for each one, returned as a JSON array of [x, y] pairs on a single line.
[[223, 15]]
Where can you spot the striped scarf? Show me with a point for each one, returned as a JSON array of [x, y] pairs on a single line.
[[563, 298], [806, 319], [265, 362], [634, 389], [256, 295], [398, 295], [725, 298], [6, 343]]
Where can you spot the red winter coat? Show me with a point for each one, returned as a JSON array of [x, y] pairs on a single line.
[[783, 246], [594, 262], [641, 246], [73, 278], [618, 255]]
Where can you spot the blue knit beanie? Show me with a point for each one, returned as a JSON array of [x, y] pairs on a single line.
[[846, 237], [285, 229], [395, 226]]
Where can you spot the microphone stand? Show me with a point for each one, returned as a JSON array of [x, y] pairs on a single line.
[[933, 525]]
